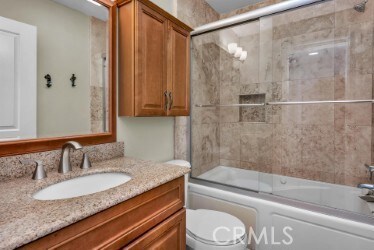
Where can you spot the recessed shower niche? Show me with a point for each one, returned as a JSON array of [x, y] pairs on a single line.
[[254, 113]]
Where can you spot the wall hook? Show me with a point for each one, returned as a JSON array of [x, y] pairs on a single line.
[[49, 80], [72, 79]]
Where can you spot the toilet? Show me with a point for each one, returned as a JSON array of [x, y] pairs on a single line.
[[230, 233]]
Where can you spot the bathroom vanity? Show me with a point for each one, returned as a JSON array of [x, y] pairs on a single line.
[[159, 211], [60, 86], [146, 212]]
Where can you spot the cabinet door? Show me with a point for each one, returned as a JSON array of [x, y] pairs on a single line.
[[170, 234], [179, 71], [150, 62]]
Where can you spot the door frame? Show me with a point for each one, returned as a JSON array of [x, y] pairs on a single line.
[[25, 99]]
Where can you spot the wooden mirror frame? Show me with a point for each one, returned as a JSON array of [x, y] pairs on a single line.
[[46, 144]]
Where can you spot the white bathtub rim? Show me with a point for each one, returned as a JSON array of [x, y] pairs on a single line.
[[345, 198], [239, 196]]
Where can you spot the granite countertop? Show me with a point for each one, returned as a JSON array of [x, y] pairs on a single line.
[[24, 219]]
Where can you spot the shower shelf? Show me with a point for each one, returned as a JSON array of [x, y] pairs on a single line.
[[283, 103]]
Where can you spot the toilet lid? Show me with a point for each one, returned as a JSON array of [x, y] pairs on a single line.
[[181, 163], [202, 223]]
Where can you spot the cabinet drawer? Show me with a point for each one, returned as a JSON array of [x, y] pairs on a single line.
[[119, 225], [170, 234]]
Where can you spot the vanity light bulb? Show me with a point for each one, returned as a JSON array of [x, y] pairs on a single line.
[[238, 52], [243, 56], [232, 47]]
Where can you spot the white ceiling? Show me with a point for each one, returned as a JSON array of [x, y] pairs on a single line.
[[224, 6], [86, 8]]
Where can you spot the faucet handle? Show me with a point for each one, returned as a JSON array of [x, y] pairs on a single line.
[[86, 163], [371, 170], [39, 172]]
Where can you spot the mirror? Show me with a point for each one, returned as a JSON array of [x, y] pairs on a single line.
[[54, 68]]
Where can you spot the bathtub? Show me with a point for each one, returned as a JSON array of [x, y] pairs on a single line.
[[325, 194], [322, 216]]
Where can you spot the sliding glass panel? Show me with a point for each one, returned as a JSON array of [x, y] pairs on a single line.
[[270, 122], [317, 53], [222, 136]]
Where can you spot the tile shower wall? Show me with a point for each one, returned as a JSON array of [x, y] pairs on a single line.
[[98, 50], [320, 52], [205, 122], [251, 7], [194, 13]]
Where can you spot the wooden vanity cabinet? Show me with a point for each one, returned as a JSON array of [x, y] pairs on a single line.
[[154, 61], [153, 220], [170, 234]]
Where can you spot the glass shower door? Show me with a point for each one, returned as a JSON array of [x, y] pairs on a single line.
[[293, 117], [224, 141], [322, 63]]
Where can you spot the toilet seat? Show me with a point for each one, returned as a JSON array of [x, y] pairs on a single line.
[[201, 224]]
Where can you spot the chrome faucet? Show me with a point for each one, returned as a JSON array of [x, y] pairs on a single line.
[[366, 186], [369, 188], [368, 194], [65, 164]]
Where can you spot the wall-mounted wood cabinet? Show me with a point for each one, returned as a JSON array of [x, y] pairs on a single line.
[[154, 61]]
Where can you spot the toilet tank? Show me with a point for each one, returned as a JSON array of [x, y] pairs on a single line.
[[186, 164]]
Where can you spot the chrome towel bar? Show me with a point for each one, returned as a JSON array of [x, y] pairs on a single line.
[[283, 103], [229, 105]]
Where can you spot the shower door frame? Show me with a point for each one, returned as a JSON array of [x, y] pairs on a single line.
[[244, 18]]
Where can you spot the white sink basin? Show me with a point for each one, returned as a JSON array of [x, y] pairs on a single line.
[[81, 186]]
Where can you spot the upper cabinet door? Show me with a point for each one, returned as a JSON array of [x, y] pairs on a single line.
[[150, 62], [179, 71], [154, 61]]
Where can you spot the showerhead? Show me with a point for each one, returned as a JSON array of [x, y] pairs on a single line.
[[361, 6]]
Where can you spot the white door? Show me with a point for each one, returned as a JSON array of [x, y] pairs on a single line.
[[17, 80]]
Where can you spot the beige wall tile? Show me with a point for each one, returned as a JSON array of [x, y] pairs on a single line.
[[361, 48], [358, 150], [318, 148], [266, 46], [257, 149], [230, 141], [230, 163], [345, 14], [205, 145], [359, 87], [229, 114], [206, 115]]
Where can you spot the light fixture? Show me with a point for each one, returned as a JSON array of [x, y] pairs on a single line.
[[243, 56], [94, 2], [238, 52], [232, 47], [313, 53]]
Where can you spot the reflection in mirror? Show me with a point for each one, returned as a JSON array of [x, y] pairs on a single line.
[[53, 68]]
